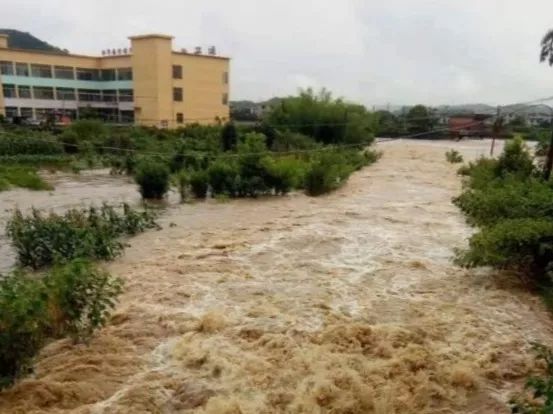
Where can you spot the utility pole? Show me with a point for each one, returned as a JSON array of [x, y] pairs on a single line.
[[496, 128], [549, 160]]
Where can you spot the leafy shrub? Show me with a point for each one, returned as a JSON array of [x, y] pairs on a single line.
[[284, 174], [289, 141], [328, 172], [514, 211], [152, 176], [81, 297], [23, 321], [199, 183], [91, 233], [224, 177], [29, 145], [515, 159], [73, 300], [538, 398], [524, 244], [453, 156]]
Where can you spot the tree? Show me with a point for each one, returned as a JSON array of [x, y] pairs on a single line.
[[547, 48], [419, 119], [229, 137]]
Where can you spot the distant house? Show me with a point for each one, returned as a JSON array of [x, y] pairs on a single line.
[[475, 125]]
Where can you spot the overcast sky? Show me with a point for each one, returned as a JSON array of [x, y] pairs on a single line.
[[375, 52]]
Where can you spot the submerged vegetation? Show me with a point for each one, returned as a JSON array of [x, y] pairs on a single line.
[[71, 300], [94, 233]]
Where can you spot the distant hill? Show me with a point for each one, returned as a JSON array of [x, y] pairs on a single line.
[[23, 40]]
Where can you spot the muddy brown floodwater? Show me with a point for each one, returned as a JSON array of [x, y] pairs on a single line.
[[347, 303]]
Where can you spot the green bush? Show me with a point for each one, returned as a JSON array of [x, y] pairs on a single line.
[[29, 145], [515, 159], [23, 322], [224, 177], [199, 183], [41, 240], [73, 300], [284, 174], [514, 209], [81, 297], [453, 157], [152, 177], [327, 172]]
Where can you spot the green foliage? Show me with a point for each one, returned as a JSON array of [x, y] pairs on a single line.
[[74, 300], [290, 141], [199, 183], [13, 144], [453, 156], [21, 176], [538, 398], [419, 119], [324, 118], [41, 240], [327, 172], [514, 210], [224, 176], [81, 298], [23, 321], [515, 159], [283, 174], [152, 177]]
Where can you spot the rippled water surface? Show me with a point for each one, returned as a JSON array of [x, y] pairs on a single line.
[[346, 303]]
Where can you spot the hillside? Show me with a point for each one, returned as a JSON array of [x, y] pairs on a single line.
[[24, 40]]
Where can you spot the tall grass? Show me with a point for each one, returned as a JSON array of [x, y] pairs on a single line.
[[21, 176]]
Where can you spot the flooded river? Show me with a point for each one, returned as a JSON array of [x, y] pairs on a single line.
[[346, 303]]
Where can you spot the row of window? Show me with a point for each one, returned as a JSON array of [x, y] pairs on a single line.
[[64, 72], [67, 94], [108, 115]]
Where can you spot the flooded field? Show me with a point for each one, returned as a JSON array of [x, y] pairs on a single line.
[[346, 303]]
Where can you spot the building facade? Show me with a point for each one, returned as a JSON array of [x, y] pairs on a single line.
[[147, 84]]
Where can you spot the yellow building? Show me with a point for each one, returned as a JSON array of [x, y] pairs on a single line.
[[148, 84]]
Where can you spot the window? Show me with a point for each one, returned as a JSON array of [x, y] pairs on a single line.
[[124, 74], [88, 74], [108, 75], [41, 71], [225, 99], [24, 92], [11, 112], [177, 94], [180, 118], [109, 96], [125, 95], [127, 116], [6, 68], [64, 72], [65, 94], [177, 72], [9, 91], [26, 112], [45, 113], [22, 69], [89, 95], [225, 78], [43, 92]]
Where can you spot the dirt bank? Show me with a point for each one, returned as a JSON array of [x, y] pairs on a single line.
[[341, 304]]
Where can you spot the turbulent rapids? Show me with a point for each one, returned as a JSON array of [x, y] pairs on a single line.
[[346, 303]]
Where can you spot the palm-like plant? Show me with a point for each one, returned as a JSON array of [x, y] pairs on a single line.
[[547, 48]]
